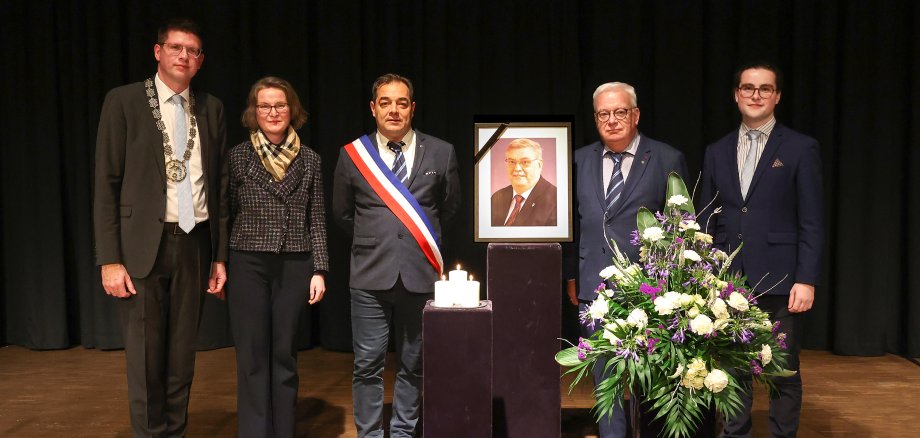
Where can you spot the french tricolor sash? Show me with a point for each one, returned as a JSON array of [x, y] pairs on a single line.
[[397, 197]]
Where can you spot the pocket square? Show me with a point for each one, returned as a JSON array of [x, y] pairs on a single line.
[[777, 163], [431, 172]]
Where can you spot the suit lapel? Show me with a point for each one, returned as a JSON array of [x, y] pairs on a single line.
[[636, 171], [766, 158], [157, 149], [596, 174], [419, 156], [731, 161], [201, 114]]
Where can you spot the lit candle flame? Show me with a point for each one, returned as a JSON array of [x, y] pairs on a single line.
[[458, 266], [471, 277]]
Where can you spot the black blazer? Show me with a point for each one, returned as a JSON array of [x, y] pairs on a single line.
[[382, 248], [646, 186], [539, 208], [781, 222], [129, 195], [278, 216]]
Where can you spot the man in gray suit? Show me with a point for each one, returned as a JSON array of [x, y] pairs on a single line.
[[394, 191], [615, 176], [160, 221]]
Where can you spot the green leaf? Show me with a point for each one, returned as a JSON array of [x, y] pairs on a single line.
[[568, 357], [676, 186], [645, 219]]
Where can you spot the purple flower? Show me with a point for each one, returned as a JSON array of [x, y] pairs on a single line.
[[650, 344], [775, 328], [755, 368], [746, 336], [678, 337], [781, 341], [651, 291], [583, 348], [634, 238], [678, 240]]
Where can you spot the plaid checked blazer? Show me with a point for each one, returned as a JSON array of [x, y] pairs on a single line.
[[284, 216]]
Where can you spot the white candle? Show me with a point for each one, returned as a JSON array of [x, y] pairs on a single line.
[[469, 295], [443, 296], [457, 275]]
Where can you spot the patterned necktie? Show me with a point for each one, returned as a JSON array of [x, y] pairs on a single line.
[[518, 200], [750, 163], [615, 185], [184, 187], [399, 164]]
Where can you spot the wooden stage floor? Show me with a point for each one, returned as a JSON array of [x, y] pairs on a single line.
[[82, 393]]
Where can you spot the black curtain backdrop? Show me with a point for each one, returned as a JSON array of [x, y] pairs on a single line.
[[852, 81]]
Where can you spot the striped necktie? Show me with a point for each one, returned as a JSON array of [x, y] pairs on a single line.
[[518, 200], [750, 163], [399, 164], [615, 185]]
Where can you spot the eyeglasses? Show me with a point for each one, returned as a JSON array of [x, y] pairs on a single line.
[[523, 163], [265, 108], [175, 49], [747, 90], [619, 114]]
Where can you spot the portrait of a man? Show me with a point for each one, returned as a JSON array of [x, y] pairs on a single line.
[[529, 199]]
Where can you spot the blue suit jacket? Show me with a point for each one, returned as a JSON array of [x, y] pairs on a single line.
[[780, 223], [646, 186], [382, 247]]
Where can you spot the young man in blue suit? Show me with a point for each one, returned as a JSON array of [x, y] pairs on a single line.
[[767, 180], [613, 178], [393, 269]]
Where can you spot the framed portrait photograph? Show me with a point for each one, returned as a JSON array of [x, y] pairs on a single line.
[[523, 188]]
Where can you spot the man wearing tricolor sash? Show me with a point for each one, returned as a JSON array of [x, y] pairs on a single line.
[[395, 190]]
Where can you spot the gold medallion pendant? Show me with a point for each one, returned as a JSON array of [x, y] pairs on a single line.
[[175, 170]]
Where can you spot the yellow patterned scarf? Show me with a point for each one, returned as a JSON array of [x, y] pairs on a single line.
[[276, 158]]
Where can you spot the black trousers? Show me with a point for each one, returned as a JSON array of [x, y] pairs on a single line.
[[266, 293], [160, 328], [786, 408]]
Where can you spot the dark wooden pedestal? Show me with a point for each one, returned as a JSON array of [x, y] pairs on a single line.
[[457, 388], [524, 284]]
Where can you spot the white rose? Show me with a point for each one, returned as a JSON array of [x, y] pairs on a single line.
[[696, 365], [609, 271], [701, 325], [664, 305], [637, 318], [688, 225], [598, 308], [677, 200], [720, 323], [766, 354], [653, 234], [690, 254], [719, 309], [698, 299], [767, 324], [738, 301], [686, 299], [609, 293], [720, 255], [702, 237], [716, 381], [609, 335], [694, 312]]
